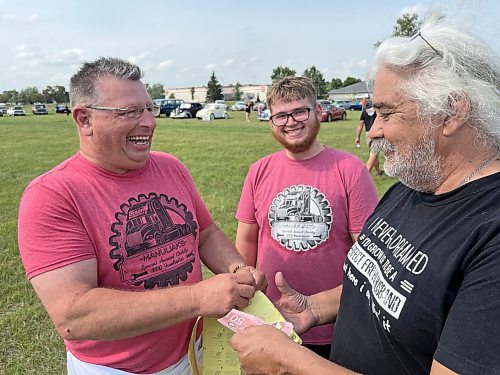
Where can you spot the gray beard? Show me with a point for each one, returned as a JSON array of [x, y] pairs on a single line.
[[416, 165]]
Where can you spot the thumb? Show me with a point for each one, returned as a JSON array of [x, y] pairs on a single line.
[[282, 285]]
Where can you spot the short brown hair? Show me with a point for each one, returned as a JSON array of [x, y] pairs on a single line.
[[291, 88]]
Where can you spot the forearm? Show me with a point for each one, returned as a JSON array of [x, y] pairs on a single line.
[[107, 314], [217, 252], [305, 362], [325, 305], [359, 130]]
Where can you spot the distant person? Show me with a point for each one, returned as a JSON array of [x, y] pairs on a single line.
[[302, 208], [421, 286], [366, 120], [363, 103], [113, 238], [248, 110]]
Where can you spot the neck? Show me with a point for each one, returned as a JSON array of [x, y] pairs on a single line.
[[473, 169], [311, 152]]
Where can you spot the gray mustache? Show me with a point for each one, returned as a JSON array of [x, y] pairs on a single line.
[[381, 145]]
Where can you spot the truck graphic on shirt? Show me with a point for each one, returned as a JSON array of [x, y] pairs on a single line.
[[296, 206], [149, 224]]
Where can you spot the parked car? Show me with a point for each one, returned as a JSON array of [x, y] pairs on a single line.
[[238, 106], [17, 110], [39, 109], [264, 115], [346, 104], [213, 111], [59, 108], [3, 109], [167, 105], [330, 112], [186, 110]]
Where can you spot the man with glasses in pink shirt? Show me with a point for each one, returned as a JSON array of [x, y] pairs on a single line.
[[301, 208], [113, 238]]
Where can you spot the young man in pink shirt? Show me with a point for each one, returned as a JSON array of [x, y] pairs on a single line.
[[302, 208], [112, 239]]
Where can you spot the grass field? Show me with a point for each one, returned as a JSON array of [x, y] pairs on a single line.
[[217, 153]]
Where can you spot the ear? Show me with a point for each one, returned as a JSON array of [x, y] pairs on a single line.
[[318, 111], [82, 120], [460, 105]]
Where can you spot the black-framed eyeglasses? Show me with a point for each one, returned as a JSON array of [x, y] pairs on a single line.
[[132, 111], [419, 34], [298, 115]]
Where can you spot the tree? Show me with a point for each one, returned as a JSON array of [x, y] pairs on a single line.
[[335, 83], [280, 72], [171, 96], [236, 91], [406, 25], [214, 89], [350, 81], [317, 79], [192, 93], [156, 91], [30, 95], [10, 96]]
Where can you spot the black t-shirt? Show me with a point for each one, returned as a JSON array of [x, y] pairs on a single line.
[[367, 119], [423, 282]]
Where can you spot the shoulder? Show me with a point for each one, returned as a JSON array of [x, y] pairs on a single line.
[[343, 159]]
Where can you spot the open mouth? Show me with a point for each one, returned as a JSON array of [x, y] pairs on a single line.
[[139, 139]]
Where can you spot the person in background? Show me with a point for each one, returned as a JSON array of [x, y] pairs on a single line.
[[302, 208], [113, 238], [248, 110], [421, 287], [366, 120]]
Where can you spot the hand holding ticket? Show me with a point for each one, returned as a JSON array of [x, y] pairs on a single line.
[[237, 320]]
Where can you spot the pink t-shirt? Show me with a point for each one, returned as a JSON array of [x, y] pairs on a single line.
[[305, 211], [142, 227]]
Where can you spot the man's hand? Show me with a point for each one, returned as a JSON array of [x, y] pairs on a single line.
[[263, 349], [219, 294], [260, 281], [295, 307]]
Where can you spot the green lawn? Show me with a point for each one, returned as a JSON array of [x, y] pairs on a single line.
[[217, 153]]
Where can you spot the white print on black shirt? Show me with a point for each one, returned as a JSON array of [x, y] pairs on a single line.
[[380, 266], [300, 218]]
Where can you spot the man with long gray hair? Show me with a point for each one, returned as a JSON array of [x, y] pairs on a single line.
[[421, 286], [113, 238]]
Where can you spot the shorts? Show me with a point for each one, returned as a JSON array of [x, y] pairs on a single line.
[[369, 144]]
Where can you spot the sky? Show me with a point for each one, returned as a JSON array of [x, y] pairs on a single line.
[[180, 43]]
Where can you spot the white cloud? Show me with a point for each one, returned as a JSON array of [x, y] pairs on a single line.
[[415, 9], [355, 63], [210, 66], [164, 65], [228, 62], [139, 58], [33, 17]]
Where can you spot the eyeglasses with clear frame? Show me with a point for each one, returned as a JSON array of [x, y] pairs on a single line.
[[298, 115], [132, 111]]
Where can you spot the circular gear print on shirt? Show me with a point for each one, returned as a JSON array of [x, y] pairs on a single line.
[[300, 218]]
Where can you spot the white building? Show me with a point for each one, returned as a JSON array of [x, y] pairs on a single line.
[[248, 92]]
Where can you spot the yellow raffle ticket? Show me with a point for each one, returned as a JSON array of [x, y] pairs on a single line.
[[219, 358]]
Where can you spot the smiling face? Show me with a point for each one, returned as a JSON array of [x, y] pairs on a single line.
[[111, 140], [408, 144], [297, 137]]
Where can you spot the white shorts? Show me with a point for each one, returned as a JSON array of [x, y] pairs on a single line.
[[77, 367]]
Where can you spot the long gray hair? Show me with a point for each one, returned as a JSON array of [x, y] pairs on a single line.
[[82, 88], [452, 65]]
